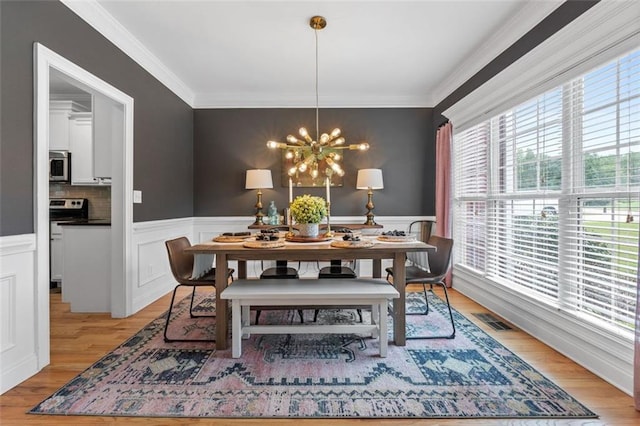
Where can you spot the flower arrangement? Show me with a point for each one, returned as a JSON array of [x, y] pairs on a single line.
[[308, 209]]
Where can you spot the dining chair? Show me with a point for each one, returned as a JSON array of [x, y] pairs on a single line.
[[422, 229], [432, 274], [281, 270], [181, 263], [337, 270]]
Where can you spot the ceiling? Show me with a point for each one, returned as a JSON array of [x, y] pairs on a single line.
[[261, 53]]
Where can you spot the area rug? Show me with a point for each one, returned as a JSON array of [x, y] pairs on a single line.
[[314, 376]]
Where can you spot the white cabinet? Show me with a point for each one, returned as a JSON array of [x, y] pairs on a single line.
[[59, 113], [107, 127], [87, 275], [81, 148]]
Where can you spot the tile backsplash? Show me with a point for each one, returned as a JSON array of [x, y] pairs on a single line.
[[99, 197]]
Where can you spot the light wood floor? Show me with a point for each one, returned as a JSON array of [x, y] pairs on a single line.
[[78, 340]]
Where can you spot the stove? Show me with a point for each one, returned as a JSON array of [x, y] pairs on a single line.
[[61, 209]]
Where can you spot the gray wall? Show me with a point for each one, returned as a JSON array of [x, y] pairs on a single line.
[[230, 141], [163, 126], [227, 142]]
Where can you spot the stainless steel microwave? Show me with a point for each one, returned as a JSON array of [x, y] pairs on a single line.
[[59, 166]]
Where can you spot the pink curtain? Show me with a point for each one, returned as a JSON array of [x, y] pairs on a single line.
[[443, 184], [636, 358]]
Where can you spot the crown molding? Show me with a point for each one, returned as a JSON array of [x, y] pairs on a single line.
[[95, 15], [253, 100], [531, 14]]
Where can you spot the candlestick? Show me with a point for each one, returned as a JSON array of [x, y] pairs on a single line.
[[329, 233], [290, 190], [328, 191]]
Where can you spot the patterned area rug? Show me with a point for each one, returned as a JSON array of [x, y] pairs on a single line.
[[314, 376]]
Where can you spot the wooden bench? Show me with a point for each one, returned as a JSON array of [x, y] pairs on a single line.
[[244, 294]]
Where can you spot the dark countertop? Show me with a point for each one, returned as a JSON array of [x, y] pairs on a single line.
[[87, 222]]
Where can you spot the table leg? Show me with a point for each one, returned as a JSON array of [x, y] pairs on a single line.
[[399, 281], [377, 268], [242, 269], [222, 313]]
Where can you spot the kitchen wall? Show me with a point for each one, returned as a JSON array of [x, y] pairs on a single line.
[[99, 197], [163, 123]]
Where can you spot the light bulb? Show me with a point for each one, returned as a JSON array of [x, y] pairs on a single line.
[[335, 133], [289, 155], [324, 138], [302, 167], [338, 141], [360, 146], [292, 139], [314, 173], [292, 171], [303, 132], [337, 157]]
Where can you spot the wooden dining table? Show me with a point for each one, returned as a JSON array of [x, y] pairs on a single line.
[[316, 251]]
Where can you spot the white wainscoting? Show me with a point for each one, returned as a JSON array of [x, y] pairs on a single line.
[[151, 272], [153, 277], [604, 354], [18, 356]]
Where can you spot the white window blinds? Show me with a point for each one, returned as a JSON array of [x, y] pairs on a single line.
[[547, 198]]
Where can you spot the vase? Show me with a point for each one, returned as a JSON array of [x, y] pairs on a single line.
[[311, 230]]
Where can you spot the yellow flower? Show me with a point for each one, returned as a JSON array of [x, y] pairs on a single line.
[[308, 209]]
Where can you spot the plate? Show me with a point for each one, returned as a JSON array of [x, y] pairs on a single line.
[[351, 244], [263, 244], [231, 238], [397, 238], [301, 239]]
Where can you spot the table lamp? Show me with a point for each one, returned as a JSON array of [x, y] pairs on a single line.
[[369, 179], [258, 179]]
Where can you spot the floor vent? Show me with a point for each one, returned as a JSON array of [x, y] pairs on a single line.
[[493, 321]]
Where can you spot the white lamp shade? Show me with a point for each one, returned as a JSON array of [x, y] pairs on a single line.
[[369, 178], [258, 179]]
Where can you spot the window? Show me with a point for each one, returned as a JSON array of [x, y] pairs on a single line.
[[547, 196]]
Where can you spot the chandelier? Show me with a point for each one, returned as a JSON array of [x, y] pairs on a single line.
[[321, 155]]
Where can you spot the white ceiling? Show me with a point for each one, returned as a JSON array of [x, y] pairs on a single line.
[[261, 53]]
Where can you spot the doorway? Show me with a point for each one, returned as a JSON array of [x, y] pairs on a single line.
[[47, 63]]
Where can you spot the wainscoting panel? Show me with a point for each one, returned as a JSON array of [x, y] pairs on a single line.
[[18, 356], [152, 273]]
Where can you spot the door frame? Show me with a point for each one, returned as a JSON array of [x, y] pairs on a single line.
[[121, 193]]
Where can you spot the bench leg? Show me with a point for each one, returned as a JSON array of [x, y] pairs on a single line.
[[383, 328], [236, 329], [246, 317], [375, 314]]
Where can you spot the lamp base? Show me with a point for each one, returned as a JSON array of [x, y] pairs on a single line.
[[370, 208], [370, 221], [259, 221]]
